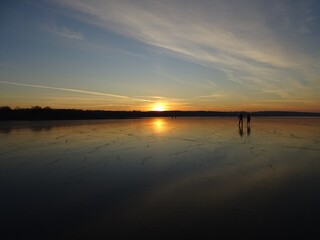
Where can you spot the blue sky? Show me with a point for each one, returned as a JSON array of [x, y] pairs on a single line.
[[186, 55]]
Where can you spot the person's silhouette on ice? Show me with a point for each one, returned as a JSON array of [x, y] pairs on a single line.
[[240, 117]]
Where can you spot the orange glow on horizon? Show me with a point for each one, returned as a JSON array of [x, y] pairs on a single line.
[[61, 103]]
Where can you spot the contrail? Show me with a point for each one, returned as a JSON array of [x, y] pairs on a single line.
[[75, 90]]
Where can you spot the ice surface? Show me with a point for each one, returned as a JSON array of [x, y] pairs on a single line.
[[159, 177]]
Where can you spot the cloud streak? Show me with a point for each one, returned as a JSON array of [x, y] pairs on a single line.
[[65, 32], [234, 37], [112, 100], [76, 91]]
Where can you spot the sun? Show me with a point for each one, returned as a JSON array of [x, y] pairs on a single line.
[[159, 107]]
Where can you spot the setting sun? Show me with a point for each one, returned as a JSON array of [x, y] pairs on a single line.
[[159, 107]]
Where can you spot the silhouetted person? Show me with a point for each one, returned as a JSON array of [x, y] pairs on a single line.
[[248, 120], [248, 130], [240, 131], [240, 117]]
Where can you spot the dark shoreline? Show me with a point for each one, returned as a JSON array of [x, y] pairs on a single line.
[[37, 113]]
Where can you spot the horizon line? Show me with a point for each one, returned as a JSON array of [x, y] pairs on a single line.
[[150, 111]]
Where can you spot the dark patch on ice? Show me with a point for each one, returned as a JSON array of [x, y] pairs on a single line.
[[57, 138], [54, 161], [294, 136], [302, 148], [124, 149], [177, 153], [272, 167], [188, 140], [85, 166], [143, 160]]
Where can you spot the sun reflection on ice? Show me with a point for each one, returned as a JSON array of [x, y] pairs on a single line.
[[159, 125]]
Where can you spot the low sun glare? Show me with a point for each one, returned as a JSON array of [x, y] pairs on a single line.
[[159, 107]]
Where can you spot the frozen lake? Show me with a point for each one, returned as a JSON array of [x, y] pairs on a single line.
[[160, 177]]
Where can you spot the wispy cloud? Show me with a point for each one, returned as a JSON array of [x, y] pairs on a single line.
[[214, 95], [286, 101], [76, 91], [112, 101], [65, 32], [195, 33], [236, 38]]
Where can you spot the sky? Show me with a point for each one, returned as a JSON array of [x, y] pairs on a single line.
[[228, 55]]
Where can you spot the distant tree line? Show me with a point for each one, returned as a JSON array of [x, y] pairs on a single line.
[[47, 113]]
